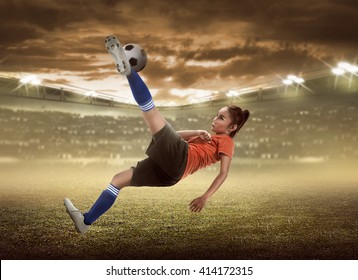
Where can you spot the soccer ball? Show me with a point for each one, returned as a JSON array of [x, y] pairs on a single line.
[[136, 56]]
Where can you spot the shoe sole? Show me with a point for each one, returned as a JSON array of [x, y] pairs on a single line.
[[111, 43]]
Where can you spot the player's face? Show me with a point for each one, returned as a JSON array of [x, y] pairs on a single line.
[[222, 122]]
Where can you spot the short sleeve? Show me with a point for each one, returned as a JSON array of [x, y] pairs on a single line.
[[226, 146]]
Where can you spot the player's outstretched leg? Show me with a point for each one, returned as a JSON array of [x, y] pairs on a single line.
[[103, 203], [140, 91]]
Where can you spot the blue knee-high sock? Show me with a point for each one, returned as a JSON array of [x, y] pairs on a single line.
[[103, 203], [140, 92]]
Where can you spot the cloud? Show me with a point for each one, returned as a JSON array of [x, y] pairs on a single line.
[[190, 44]]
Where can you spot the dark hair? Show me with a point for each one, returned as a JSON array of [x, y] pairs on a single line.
[[238, 117]]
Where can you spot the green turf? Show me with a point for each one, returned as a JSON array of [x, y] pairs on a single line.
[[255, 215]]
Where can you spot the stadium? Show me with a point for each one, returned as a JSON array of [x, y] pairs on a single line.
[[292, 191]]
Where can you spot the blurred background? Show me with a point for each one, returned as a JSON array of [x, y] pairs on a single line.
[[312, 121]]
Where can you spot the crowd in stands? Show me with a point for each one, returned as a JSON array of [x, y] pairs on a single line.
[[327, 131]]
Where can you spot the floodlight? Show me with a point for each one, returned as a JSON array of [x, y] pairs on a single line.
[[299, 80], [338, 71], [36, 82], [91, 93], [291, 77], [352, 69], [28, 79], [232, 93], [343, 65], [287, 82], [24, 80]]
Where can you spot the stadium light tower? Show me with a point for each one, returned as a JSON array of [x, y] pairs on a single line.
[[343, 68], [299, 80], [287, 82], [91, 93], [338, 71], [343, 65], [232, 93], [293, 79], [32, 79], [353, 69]]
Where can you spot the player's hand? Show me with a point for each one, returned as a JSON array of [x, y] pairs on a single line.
[[197, 204], [204, 135]]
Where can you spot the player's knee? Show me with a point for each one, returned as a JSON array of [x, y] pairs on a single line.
[[120, 181]]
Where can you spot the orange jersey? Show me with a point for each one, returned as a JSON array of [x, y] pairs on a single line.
[[202, 153]]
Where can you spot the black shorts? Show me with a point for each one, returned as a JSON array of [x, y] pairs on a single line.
[[166, 161]]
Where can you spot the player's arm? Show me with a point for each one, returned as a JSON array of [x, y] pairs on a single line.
[[187, 134], [198, 203]]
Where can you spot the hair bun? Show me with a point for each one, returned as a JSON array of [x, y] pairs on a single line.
[[238, 117], [246, 114]]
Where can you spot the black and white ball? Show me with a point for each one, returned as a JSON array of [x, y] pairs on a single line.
[[136, 55]]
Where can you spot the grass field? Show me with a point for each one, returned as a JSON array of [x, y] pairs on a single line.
[[296, 213]]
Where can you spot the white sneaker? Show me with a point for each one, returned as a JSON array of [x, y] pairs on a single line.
[[76, 216], [115, 48]]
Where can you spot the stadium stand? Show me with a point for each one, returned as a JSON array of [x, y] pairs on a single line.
[[316, 121], [284, 129]]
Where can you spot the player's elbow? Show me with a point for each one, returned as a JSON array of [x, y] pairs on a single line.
[[223, 174]]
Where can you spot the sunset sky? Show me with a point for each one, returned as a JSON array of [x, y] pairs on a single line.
[[194, 48]]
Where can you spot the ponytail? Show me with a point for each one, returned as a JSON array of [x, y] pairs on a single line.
[[238, 117]]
